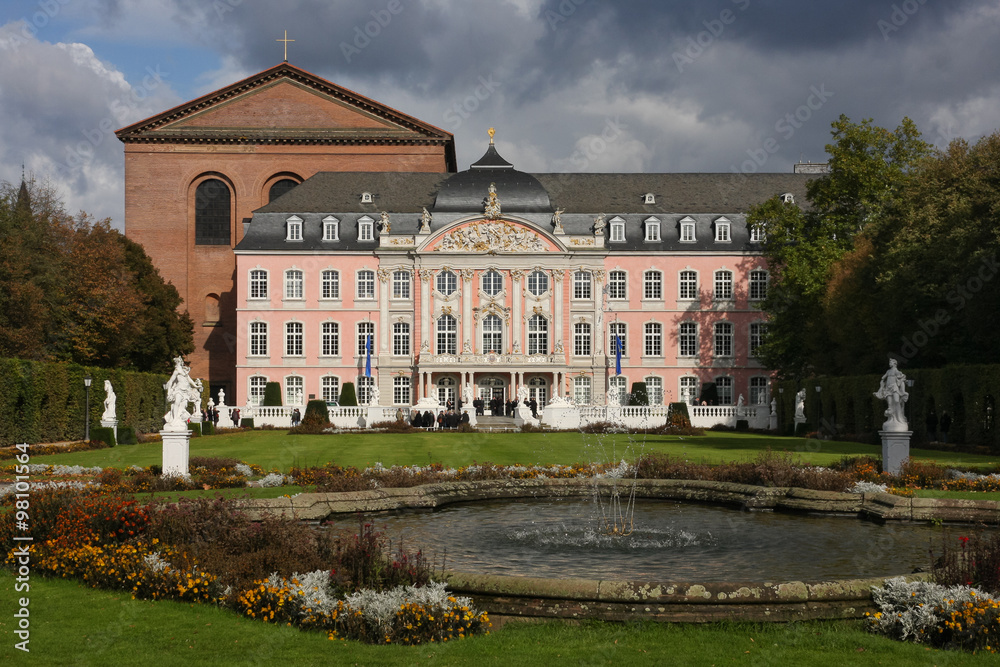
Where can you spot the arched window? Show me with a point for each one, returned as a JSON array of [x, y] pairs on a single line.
[[280, 188], [538, 283], [447, 282], [212, 309], [492, 283], [212, 219]]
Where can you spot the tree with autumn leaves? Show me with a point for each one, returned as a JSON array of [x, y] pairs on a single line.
[[894, 253], [74, 289]]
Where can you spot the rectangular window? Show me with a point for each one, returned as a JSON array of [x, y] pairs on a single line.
[[365, 385], [617, 285], [582, 390], [581, 285], [652, 285], [447, 335], [616, 336], [757, 234], [689, 390], [331, 229], [654, 389], [758, 285], [492, 334], [365, 330], [331, 389], [723, 285], [258, 339], [366, 229], [401, 390], [258, 284], [330, 345], [293, 284], [757, 332], [687, 232], [257, 385], [758, 391], [688, 339], [294, 393], [538, 335], [400, 285], [581, 340], [617, 231], [400, 339], [330, 284], [293, 339], [688, 285], [653, 230], [366, 284], [722, 232], [723, 339], [724, 387], [653, 340], [294, 229], [617, 384]]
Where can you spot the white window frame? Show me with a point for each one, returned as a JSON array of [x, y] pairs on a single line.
[[652, 341], [723, 337], [447, 279], [401, 339], [491, 282], [688, 234], [295, 285], [329, 284], [654, 389], [366, 228], [256, 385], [258, 280], [330, 388], [293, 228], [687, 340], [757, 332], [583, 282], [724, 385], [538, 280], [331, 228], [649, 198], [329, 336], [617, 234], [367, 198], [757, 234], [618, 285], [364, 278], [491, 318], [619, 382], [402, 390], [538, 335], [757, 390], [617, 329], [295, 338], [446, 338], [687, 388], [652, 282], [295, 390], [364, 386], [583, 390], [652, 225], [258, 339], [582, 339], [401, 285], [723, 284], [369, 328], [723, 231], [757, 288], [687, 289]]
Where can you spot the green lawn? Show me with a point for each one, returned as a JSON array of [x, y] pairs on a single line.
[[74, 625], [277, 449]]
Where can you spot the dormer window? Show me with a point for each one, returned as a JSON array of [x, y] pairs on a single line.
[[652, 230], [366, 229], [617, 229], [757, 234], [367, 198], [787, 198], [687, 230], [293, 228], [722, 234], [649, 198], [331, 228]]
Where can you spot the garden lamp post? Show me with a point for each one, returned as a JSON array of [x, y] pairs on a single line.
[[86, 419]]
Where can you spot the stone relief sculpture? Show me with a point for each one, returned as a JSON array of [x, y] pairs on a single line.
[[425, 222], [110, 409], [181, 390], [892, 389], [491, 237], [599, 225], [800, 404]]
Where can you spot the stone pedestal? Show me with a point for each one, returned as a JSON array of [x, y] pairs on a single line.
[[895, 450], [522, 416], [561, 417], [772, 423], [798, 420], [112, 424], [176, 452]]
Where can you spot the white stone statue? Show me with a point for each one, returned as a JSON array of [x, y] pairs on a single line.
[[557, 221], [739, 405], [110, 410], [222, 397], [774, 408], [800, 404], [248, 409], [522, 394], [558, 400], [613, 398], [599, 225], [373, 396], [892, 389], [425, 222], [385, 223], [467, 395], [181, 390], [211, 403]]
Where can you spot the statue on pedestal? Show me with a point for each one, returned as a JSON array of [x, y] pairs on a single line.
[[110, 410], [222, 397], [374, 396], [181, 389], [425, 222], [800, 404], [892, 389]]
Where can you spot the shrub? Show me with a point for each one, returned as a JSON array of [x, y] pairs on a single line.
[[195, 429], [678, 415], [639, 395], [103, 434], [742, 425], [126, 436], [803, 429], [348, 396], [366, 560], [316, 414], [972, 560], [207, 428], [246, 422], [393, 426], [272, 394]]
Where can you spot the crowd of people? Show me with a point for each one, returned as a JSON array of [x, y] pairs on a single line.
[[445, 419], [500, 408]]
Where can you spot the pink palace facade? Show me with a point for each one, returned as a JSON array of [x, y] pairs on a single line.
[[500, 279]]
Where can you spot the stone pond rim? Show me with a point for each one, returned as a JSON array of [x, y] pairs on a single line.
[[507, 598]]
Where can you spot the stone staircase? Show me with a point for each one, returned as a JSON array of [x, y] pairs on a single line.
[[486, 423]]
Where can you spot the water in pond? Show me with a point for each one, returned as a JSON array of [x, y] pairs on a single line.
[[672, 542]]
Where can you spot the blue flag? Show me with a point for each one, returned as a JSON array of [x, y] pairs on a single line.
[[618, 355], [368, 356]]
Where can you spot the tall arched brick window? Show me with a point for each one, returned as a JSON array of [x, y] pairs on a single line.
[[212, 213]]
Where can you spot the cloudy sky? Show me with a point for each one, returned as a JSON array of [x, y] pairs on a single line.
[[570, 85]]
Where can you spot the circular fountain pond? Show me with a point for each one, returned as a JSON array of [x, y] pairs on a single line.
[[670, 541]]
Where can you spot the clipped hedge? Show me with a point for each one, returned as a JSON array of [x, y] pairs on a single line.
[[195, 429], [46, 401], [348, 396], [126, 436], [272, 394], [847, 405], [639, 395], [103, 434]]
